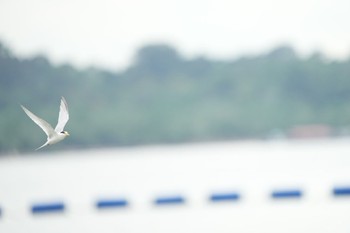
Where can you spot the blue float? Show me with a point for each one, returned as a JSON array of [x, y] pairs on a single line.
[[53, 207], [111, 203], [224, 197], [341, 191], [287, 194], [169, 200]]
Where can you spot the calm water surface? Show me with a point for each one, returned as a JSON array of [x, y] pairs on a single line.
[[139, 175]]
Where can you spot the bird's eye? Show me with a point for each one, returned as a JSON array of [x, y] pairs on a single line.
[[62, 132]]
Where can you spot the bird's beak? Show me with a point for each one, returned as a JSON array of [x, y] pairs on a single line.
[[67, 133]]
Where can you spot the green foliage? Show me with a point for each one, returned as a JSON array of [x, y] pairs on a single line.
[[164, 98]]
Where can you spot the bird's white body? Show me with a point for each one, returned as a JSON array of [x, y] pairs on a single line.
[[54, 139], [57, 138], [53, 135]]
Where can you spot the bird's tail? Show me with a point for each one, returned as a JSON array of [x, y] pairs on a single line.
[[46, 143]]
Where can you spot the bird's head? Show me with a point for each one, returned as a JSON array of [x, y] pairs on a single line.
[[65, 133]]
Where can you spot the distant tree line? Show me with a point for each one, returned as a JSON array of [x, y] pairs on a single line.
[[164, 98]]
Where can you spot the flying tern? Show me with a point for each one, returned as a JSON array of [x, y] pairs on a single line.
[[53, 135]]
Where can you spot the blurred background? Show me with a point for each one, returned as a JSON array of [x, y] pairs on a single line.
[[225, 91]]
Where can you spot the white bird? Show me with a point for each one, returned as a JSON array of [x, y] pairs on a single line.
[[53, 135]]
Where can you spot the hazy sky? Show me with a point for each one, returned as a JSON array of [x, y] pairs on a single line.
[[107, 33]]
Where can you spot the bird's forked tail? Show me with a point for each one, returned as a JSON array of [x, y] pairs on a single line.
[[46, 143]]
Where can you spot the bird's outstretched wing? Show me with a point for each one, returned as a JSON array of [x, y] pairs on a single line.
[[40, 122], [63, 116]]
